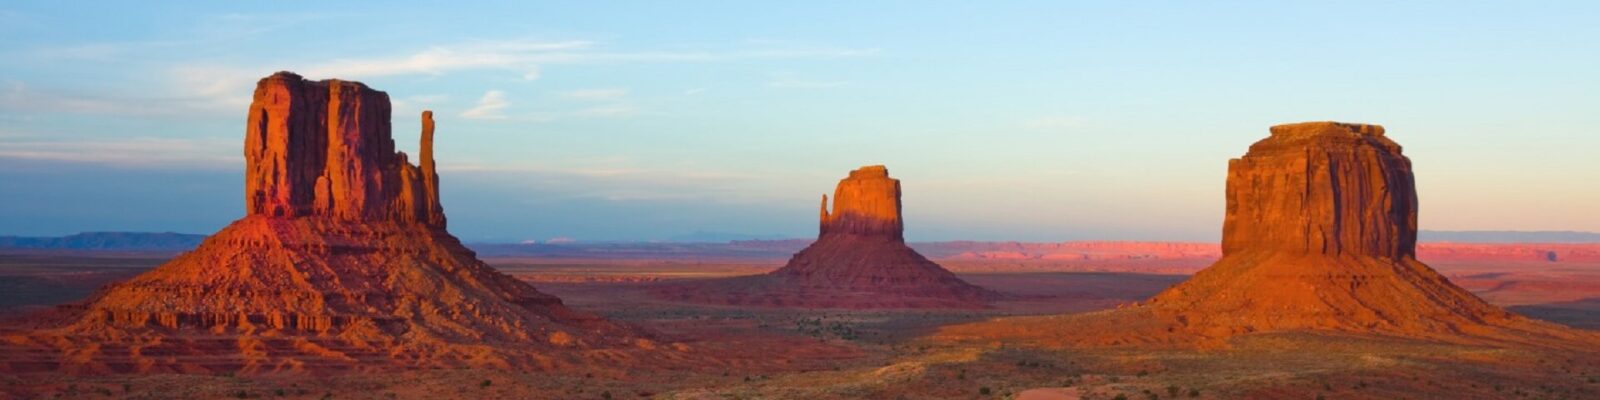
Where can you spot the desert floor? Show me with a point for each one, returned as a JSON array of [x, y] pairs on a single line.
[[887, 353]]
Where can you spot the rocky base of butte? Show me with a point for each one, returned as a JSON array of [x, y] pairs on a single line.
[[859, 260], [342, 263], [1320, 235]]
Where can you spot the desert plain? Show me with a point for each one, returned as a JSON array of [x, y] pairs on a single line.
[[895, 353]]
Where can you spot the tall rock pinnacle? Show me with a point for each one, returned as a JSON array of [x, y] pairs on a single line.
[[324, 148]]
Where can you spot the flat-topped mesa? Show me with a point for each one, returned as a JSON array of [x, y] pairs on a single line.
[[324, 148], [1322, 187], [865, 203]]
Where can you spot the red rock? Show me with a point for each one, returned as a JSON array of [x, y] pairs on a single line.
[[859, 260], [1320, 234], [322, 148], [342, 262]]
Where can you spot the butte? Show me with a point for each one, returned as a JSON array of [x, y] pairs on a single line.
[[860, 260], [1320, 234], [342, 262]]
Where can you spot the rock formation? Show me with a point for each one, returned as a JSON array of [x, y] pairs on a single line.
[[322, 148], [860, 260], [1320, 234], [341, 262]]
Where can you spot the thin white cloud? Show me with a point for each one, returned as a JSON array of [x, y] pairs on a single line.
[[199, 87], [19, 97], [491, 106], [694, 91], [129, 152], [441, 59], [596, 94]]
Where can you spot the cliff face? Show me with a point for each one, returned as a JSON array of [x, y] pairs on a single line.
[[323, 148], [1322, 188], [342, 262], [1320, 233], [867, 202]]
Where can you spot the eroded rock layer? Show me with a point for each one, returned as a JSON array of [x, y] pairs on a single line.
[[342, 262], [860, 260], [1320, 235]]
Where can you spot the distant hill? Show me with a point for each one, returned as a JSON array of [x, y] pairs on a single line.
[[1509, 236], [127, 241]]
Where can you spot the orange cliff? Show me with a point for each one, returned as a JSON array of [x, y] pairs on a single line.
[[1320, 235], [867, 202], [341, 263], [322, 148], [859, 260]]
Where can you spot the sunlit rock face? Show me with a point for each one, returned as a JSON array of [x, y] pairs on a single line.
[[342, 262], [1322, 187], [865, 203], [323, 148], [1320, 233]]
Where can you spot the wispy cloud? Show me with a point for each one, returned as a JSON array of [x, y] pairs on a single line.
[[694, 91], [521, 55], [129, 152], [212, 87], [491, 106], [596, 94], [19, 97], [527, 57]]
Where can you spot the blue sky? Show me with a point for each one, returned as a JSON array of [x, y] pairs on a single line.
[[652, 120]]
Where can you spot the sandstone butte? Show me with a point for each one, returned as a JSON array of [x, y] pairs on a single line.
[[1320, 234], [342, 262], [859, 260]]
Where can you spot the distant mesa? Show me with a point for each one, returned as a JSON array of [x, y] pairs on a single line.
[[859, 260], [1320, 234], [342, 262]]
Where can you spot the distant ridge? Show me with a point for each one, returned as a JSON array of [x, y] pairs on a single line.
[[1509, 236], [162, 241], [704, 244]]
